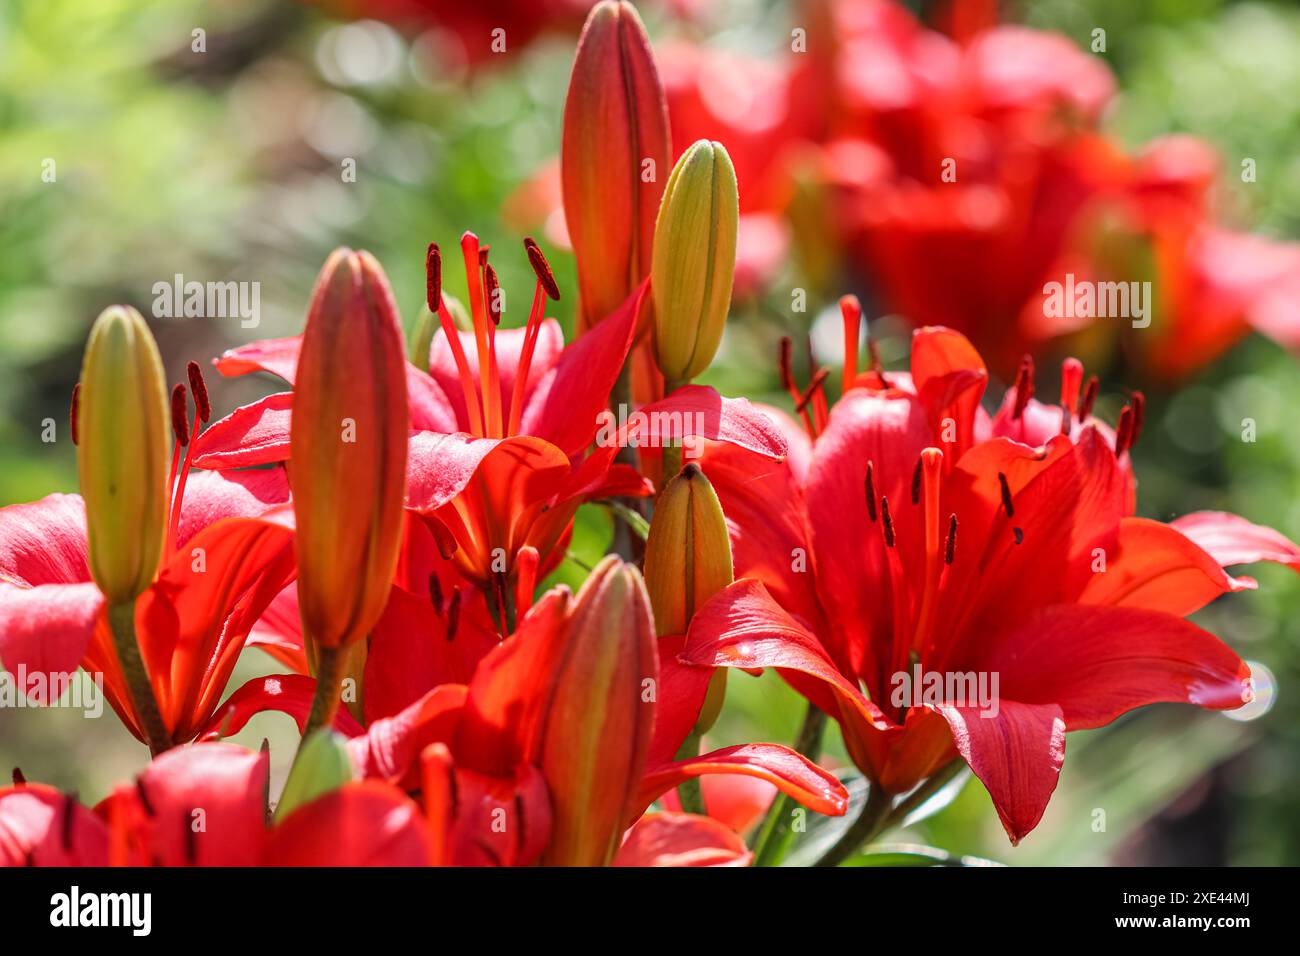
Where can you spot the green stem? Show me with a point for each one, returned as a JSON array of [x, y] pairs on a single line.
[[330, 663], [774, 836], [689, 792], [869, 823], [924, 792], [121, 621]]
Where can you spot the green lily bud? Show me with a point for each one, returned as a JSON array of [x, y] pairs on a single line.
[[321, 766], [694, 260], [687, 561], [124, 430]]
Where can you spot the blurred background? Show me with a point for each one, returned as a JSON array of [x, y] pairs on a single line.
[[142, 139]]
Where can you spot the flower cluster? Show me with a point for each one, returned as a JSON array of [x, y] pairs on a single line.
[[952, 583]]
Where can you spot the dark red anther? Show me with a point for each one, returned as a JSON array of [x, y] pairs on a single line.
[[18, 778], [493, 294], [1124, 430], [180, 427], [787, 374], [72, 412], [145, 803], [871, 491], [453, 614], [950, 547], [1006, 495], [433, 277], [199, 389], [1066, 419], [916, 483], [888, 521], [1089, 398], [1019, 535], [1024, 386], [435, 592], [1139, 416], [818, 380], [543, 268]]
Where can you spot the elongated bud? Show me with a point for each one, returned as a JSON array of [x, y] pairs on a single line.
[[595, 733], [614, 159], [347, 459], [321, 766], [687, 561], [123, 431], [687, 553], [694, 260]]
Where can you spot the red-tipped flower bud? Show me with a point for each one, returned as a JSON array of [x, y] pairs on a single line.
[[615, 157], [348, 450]]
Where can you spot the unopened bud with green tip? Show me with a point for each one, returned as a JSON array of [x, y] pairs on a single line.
[[321, 766], [124, 443], [687, 561], [694, 260]]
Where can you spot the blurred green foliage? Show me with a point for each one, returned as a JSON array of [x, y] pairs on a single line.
[[226, 164]]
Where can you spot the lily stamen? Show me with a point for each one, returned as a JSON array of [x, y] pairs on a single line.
[[851, 314], [1089, 398], [1024, 386], [1006, 495], [433, 294], [546, 287], [871, 491], [489, 378]]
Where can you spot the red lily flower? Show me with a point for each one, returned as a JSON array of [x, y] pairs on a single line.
[[230, 553], [507, 743], [502, 426], [968, 555], [206, 805]]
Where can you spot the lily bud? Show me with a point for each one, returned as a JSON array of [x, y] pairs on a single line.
[[687, 552], [321, 766], [123, 430], [614, 157], [687, 561], [595, 734], [694, 260], [347, 461]]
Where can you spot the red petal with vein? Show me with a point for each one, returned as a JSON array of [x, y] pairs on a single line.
[[792, 773], [48, 607], [254, 434], [564, 405], [681, 839], [1159, 568], [368, 824], [681, 692], [213, 495], [438, 467], [39, 826], [276, 356], [203, 805], [741, 626], [699, 412], [193, 620], [410, 654], [1017, 756], [1233, 540], [430, 408], [1097, 663], [286, 693], [391, 746]]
